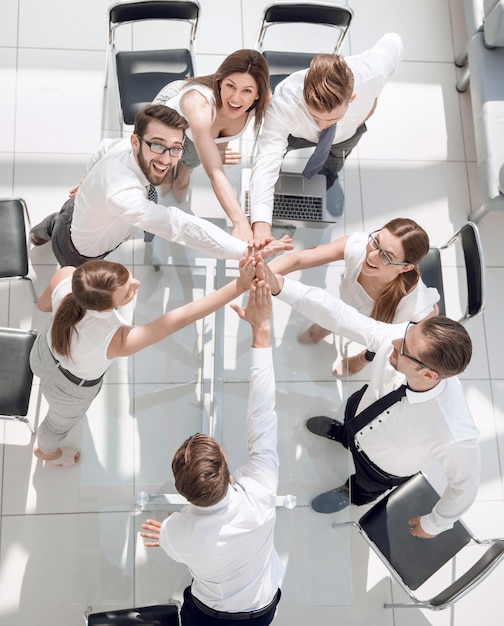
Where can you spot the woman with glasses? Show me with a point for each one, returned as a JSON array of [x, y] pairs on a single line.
[[88, 331], [218, 108], [381, 279]]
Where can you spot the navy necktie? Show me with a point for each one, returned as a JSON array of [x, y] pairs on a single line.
[[321, 152], [376, 408], [153, 197]]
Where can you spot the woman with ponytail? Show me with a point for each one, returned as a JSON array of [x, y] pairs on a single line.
[[88, 332], [381, 280]]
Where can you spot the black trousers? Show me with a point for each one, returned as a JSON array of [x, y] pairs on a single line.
[[192, 615], [369, 481]]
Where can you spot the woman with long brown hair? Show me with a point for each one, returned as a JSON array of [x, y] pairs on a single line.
[[218, 108], [382, 279], [88, 332]]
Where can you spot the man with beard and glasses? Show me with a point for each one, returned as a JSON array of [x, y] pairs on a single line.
[[117, 196]]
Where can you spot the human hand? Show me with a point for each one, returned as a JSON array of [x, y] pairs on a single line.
[[73, 191], [257, 313], [276, 245], [417, 530], [154, 528], [247, 272], [242, 230], [263, 272], [262, 233], [230, 157]]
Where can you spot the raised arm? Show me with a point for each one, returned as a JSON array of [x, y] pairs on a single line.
[[130, 339], [199, 115], [311, 257]]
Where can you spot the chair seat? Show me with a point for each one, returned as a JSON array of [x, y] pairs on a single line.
[[386, 525], [158, 615], [15, 374]]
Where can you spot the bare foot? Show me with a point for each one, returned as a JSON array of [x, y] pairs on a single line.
[[349, 366], [62, 457], [313, 334]]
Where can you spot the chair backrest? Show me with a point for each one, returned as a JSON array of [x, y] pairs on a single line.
[[141, 73], [15, 374], [13, 244], [158, 615], [432, 275], [431, 269], [413, 560], [282, 63]]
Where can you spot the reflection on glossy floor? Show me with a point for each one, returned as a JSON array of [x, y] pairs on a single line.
[[68, 538]]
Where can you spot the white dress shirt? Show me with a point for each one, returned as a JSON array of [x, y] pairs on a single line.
[[287, 114], [111, 204], [89, 344], [423, 427], [228, 547], [412, 307]]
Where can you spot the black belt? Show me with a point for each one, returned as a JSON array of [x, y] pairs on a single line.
[[80, 382], [224, 615]]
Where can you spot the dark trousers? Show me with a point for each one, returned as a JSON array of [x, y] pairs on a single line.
[[192, 615], [369, 481], [56, 227], [337, 154]]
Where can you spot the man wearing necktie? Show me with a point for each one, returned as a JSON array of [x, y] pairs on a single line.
[[325, 106], [117, 196], [412, 413]]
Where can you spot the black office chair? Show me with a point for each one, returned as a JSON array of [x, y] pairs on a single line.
[[283, 63], [15, 374], [158, 615], [411, 560], [431, 268], [141, 74], [14, 220]]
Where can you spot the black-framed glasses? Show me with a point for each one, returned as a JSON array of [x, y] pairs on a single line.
[[158, 148], [382, 255], [412, 358]]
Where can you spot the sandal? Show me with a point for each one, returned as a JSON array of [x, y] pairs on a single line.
[[69, 457]]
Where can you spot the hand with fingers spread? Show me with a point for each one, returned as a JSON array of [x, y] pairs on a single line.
[[257, 313], [154, 528]]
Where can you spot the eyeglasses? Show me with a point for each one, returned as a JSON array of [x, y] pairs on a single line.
[[382, 255], [157, 148], [412, 358]]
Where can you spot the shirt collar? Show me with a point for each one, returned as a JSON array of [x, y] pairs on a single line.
[[416, 397], [214, 507]]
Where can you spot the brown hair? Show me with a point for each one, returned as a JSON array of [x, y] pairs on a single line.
[[201, 471], [161, 113], [93, 287], [243, 62], [415, 245], [328, 83], [449, 347]]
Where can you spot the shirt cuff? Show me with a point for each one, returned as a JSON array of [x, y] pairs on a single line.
[[261, 357], [261, 213], [291, 291]]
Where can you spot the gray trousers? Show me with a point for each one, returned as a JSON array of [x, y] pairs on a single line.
[[67, 401], [337, 155], [56, 227]]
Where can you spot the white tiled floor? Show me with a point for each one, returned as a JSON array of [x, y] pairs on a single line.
[[69, 538]]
